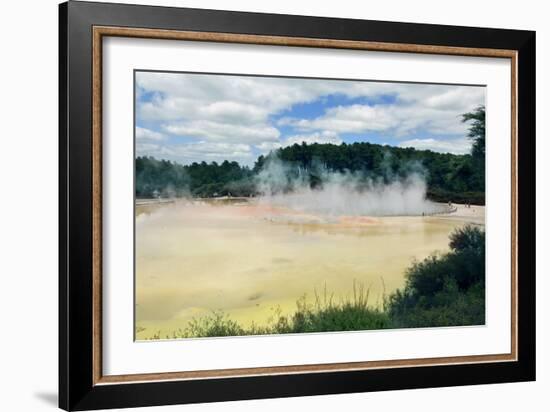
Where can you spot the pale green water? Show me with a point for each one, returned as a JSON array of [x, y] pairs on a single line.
[[247, 259]]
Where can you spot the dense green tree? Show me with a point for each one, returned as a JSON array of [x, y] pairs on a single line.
[[476, 133], [162, 178], [449, 177], [444, 290]]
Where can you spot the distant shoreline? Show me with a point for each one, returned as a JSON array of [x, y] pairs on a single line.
[[460, 212], [473, 214], [153, 201]]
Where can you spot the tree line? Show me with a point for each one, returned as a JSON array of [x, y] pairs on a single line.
[[449, 177]]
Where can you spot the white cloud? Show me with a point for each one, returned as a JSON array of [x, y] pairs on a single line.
[[233, 112], [399, 119], [266, 147], [227, 132], [317, 137], [455, 146], [198, 152], [146, 134], [348, 119], [240, 109], [456, 99]]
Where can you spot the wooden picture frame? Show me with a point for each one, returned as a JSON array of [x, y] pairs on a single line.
[[83, 26]]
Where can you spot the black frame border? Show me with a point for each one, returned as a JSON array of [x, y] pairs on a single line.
[[76, 387]]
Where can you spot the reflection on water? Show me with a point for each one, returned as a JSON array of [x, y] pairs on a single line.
[[248, 259]]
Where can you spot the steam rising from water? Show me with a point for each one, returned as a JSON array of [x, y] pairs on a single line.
[[345, 193]]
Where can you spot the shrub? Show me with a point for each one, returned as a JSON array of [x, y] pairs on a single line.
[[446, 290]]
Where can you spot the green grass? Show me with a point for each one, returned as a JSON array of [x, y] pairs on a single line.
[[324, 314], [441, 290]]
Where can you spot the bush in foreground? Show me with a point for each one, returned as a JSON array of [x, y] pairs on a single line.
[[446, 290]]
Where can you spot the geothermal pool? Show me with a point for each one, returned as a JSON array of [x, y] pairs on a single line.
[[249, 258]]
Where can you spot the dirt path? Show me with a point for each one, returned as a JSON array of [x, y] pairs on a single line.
[[472, 214]]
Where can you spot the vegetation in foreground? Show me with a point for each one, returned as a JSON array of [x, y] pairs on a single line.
[[447, 290], [441, 290]]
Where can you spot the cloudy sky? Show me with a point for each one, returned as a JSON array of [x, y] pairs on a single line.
[[196, 117]]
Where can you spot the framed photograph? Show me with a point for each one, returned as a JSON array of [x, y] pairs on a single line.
[[256, 205]]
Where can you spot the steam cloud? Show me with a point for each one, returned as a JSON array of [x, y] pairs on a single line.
[[350, 194]]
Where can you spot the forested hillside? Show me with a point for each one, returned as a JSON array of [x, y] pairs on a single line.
[[449, 177]]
